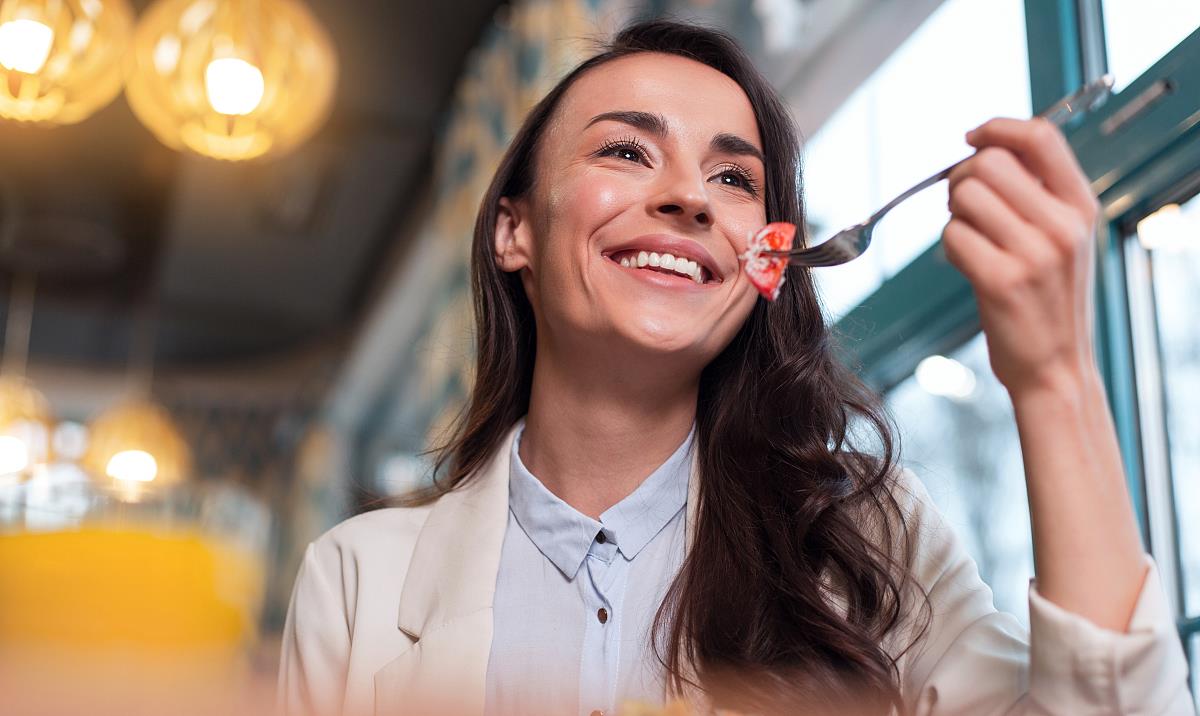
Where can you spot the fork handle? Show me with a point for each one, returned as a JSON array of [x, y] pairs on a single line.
[[1057, 114], [919, 187]]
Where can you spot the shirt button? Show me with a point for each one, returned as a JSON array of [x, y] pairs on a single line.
[[601, 539], [602, 615]]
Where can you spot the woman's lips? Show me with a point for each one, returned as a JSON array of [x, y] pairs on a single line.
[[662, 277], [673, 245]]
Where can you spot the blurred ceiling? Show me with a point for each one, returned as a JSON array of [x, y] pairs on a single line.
[[231, 263]]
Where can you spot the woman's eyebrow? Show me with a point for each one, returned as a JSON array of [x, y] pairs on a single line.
[[645, 121], [732, 144], [655, 124]]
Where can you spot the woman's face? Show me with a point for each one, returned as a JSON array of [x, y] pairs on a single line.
[[649, 153]]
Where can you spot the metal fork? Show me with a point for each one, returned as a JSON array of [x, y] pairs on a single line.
[[850, 243]]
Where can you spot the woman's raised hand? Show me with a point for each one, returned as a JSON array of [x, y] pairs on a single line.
[[1022, 230]]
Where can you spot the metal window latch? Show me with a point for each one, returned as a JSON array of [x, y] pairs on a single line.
[[1137, 106]]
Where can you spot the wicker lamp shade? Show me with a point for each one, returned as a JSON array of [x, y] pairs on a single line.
[[231, 79], [137, 442], [61, 60]]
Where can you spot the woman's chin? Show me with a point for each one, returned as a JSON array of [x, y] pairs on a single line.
[[664, 334]]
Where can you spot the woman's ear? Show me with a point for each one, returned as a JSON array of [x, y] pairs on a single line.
[[511, 249]]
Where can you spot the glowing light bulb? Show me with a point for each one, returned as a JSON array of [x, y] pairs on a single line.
[[233, 86], [24, 45], [946, 377], [133, 466], [14, 454]]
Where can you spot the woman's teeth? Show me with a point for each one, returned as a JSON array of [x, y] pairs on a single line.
[[680, 265]]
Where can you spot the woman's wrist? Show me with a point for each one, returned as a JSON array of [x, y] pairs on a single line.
[[1080, 383]]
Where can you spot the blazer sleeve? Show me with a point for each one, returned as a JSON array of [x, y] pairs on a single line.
[[316, 641], [974, 659]]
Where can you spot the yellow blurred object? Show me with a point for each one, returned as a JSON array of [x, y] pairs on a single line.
[[107, 618], [26, 421], [121, 585], [112, 607], [61, 60], [231, 79], [134, 444]]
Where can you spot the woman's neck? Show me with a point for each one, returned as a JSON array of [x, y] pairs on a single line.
[[594, 432]]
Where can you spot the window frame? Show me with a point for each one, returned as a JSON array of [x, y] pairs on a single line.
[[929, 307]]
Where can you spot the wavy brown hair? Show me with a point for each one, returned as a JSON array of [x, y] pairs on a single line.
[[800, 554]]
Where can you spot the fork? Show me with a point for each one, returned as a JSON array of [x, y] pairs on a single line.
[[850, 243]]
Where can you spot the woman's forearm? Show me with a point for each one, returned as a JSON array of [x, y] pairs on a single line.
[[1086, 543]]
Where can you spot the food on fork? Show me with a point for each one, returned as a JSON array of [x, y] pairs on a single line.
[[766, 272]]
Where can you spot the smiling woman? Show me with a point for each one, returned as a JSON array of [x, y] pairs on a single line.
[[671, 143], [654, 491], [682, 179]]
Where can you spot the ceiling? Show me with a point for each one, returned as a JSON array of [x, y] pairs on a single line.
[[230, 263]]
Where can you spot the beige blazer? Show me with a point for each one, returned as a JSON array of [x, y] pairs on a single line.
[[392, 614]]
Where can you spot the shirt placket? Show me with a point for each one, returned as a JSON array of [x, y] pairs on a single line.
[[606, 573]]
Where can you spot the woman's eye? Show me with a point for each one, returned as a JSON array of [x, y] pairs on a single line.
[[732, 179], [624, 151], [738, 179]]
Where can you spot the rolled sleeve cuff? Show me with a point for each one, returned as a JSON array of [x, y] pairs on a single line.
[[1077, 667]]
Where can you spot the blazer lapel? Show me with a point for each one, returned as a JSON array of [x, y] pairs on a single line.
[[446, 603]]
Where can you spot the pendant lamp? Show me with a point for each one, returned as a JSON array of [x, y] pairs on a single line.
[[231, 79], [136, 444], [61, 60], [26, 419]]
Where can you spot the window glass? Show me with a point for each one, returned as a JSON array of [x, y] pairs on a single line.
[[1175, 272], [1137, 33], [959, 435], [904, 123], [1196, 667]]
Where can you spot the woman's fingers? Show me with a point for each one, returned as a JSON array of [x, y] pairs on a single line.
[[975, 201], [1044, 149], [1004, 173], [978, 258]]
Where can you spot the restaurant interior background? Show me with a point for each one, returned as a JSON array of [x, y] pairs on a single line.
[[233, 261]]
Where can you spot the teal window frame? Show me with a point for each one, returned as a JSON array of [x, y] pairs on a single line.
[[929, 307]]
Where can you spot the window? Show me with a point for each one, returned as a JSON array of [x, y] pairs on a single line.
[[1176, 280], [1164, 287], [1139, 32], [1140, 156], [904, 123], [1195, 649], [959, 435]]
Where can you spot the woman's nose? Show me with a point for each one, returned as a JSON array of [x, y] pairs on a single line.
[[685, 200], [683, 210]]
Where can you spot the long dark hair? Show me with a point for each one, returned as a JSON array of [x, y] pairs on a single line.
[[797, 569]]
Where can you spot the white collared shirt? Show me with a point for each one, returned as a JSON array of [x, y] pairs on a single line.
[[575, 597]]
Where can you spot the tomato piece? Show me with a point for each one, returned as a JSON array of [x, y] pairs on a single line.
[[766, 272]]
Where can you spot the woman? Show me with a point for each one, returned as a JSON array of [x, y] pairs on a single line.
[[653, 491]]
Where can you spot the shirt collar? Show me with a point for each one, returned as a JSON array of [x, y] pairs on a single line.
[[565, 535]]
